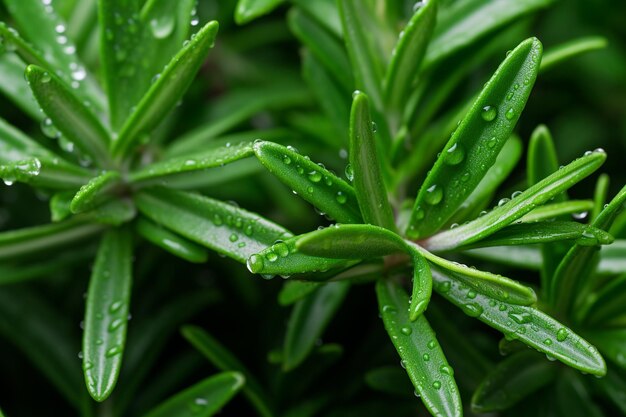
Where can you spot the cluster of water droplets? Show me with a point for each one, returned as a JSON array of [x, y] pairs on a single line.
[[24, 170]]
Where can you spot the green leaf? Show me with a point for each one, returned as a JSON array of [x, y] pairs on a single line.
[[611, 344], [512, 210], [422, 286], [203, 399], [325, 12], [227, 229], [613, 386], [42, 26], [14, 87], [15, 145], [571, 280], [76, 121], [106, 313], [562, 52], [492, 285], [283, 258], [224, 360], [38, 239], [551, 211], [573, 398], [165, 92], [476, 143], [171, 242], [312, 182], [542, 158], [390, 380], [420, 352], [464, 23], [407, 58], [367, 180], [359, 28], [599, 196], [293, 291], [114, 212], [607, 303], [512, 380], [45, 337], [212, 158], [613, 258], [248, 10], [495, 176], [309, 319], [543, 232], [527, 324], [326, 48], [95, 191]]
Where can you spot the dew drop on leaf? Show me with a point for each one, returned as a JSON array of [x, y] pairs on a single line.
[[255, 264], [489, 113], [406, 330], [426, 357], [341, 197], [562, 334], [315, 176], [455, 154], [510, 114], [434, 195], [349, 173], [163, 26], [436, 385]]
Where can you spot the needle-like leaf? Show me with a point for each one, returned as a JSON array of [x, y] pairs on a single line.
[[248, 10], [106, 313], [419, 351], [94, 192], [563, 52], [171, 242], [476, 143], [551, 211], [15, 88]]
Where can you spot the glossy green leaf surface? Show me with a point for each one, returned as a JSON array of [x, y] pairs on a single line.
[[106, 313], [409, 51], [419, 351], [165, 92], [312, 182], [171, 242], [367, 180], [309, 319], [573, 272], [542, 158], [13, 86], [422, 286], [248, 10], [227, 229], [512, 380], [525, 202], [567, 50], [203, 399], [544, 232], [226, 361], [477, 141], [40, 172], [212, 158], [464, 23], [367, 65], [91, 193], [324, 11], [527, 324], [599, 195], [76, 121], [38, 239], [551, 211]]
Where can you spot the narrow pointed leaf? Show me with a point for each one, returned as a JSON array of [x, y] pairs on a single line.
[[283, 258], [366, 59], [171, 242], [56, 52], [14, 87], [419, 351], [94, 192], [76, 121], [502, 167], [293, 291], [203, 399], [215, 157], [248, 10], [224, 360], [325, 12], [542, 158], [216, 225], [492, 285], [46, 173], [367, 181], [611, 344], [166, 90], [551, 211], [527, 324], [106, 313], [309, 319], [507, 213], [571, 278], [15, 145], [409, 51], [464, 23], [562, 52], [38, 239], [599, 195], [315, 184], [544, 232], [574, 399], [614, 386], [476, 143], [512, 380], [422, 286], [607, 303], [326, 48]]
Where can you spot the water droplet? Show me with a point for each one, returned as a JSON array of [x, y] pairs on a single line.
[[562, 334], [349, 173], [49, 129], [516, 194], [503, 201], [431, 344], [281, 249], [599, 150], [115, 350], [341, 197], [406, 330], [426, 357], [233, 237], [115, 306], [445, 369], [115, 324], [271, 256], [78, 73], [45, 77], [255, 264], [436, 385], [217, 220], [520, 317], [374, 127], [509, 96], [465, 177], [434, 195], [455, 154], [547, 342], [489, 113], [492, 142], [163, 26], [510, 114], [473, 309], [403, 364], [315, 176], [355, 93], [580, 216], [286, 160], [389, 309], [471, 294]]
